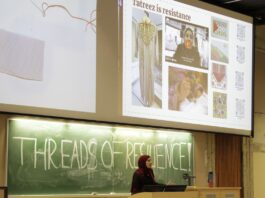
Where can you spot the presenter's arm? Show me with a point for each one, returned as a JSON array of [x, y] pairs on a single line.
[[136, 183]]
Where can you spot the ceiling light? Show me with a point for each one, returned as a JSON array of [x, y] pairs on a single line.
[[232, 1]]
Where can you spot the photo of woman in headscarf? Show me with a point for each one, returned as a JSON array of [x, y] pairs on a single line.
[[187, 53], [186, 44]]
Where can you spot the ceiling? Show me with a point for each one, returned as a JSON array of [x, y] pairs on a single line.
[[254, 8]]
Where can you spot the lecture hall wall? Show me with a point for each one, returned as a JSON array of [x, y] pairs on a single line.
[[202, 141], [202, 154], [259, 116]]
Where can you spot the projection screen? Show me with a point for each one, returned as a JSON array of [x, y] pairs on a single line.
[[187, 65]]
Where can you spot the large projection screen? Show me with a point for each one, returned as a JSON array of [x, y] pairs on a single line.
[[187, 65], [48, 56]]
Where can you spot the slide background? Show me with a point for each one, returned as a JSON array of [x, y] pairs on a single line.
[[69, 68], [225, 123]]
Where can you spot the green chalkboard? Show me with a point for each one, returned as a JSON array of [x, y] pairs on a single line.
[[46, 157]]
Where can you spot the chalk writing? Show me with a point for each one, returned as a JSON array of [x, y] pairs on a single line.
[[52, 157], [82, 154]]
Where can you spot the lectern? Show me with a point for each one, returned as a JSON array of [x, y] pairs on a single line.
[[200, 192], [191, 194]]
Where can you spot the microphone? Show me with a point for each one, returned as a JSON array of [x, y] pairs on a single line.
[[188, 177]]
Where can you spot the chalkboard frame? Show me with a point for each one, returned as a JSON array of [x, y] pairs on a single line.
[[5, 189], [139, 128]]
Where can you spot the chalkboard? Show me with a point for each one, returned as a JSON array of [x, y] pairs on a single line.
[[47, 157]]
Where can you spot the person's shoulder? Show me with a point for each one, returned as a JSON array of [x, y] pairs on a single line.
[[180, 46], [178, 51], [195, 49], [138, 172]]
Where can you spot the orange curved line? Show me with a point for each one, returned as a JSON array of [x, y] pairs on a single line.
[[46, 6]]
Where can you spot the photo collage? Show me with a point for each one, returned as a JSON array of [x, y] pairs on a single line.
[[195, 59]]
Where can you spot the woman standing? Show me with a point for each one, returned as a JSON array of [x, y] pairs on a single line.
[[144, 175]]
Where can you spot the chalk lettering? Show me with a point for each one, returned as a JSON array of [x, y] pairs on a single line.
[[172, 155], [75, 156], [92, 150], [159, 157], [63, 155], [22, 147], [83, 147], [129, 152], [114, 150], [136, 153], [181, 156], [42, 153], [51, 153], [168, 157], [81, 154], [108, 146]]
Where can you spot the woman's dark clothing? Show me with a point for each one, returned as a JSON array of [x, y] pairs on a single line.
[[184, 56], [142, 177]]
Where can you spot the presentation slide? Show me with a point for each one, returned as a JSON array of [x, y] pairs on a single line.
[[187, 65], [48, 54]]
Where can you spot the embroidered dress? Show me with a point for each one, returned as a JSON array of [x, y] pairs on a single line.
[[148, 57]]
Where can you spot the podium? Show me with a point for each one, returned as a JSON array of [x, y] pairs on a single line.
[[191, 194], [219, 192], [198, 192]]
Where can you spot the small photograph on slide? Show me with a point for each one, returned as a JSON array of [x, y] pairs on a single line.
[[219, 105], [187, 91], [219, 77], [186, 44], [219, 51], [220, 29]]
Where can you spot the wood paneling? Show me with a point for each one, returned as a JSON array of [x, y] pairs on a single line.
[[228, 160]]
